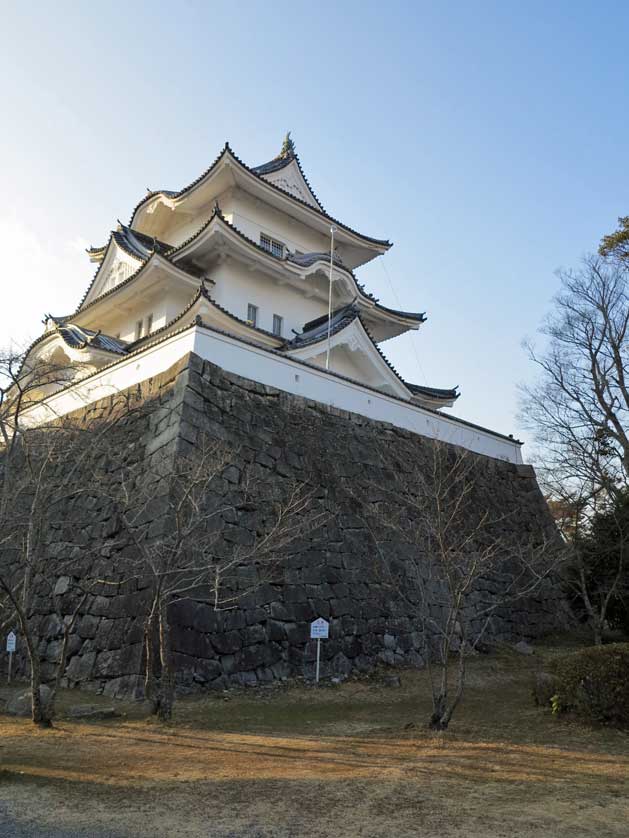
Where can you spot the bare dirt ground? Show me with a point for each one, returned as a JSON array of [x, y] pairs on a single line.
[[322, 762]]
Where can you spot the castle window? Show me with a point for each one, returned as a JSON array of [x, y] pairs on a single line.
[[252, 314], [277, 324], [272, 245]]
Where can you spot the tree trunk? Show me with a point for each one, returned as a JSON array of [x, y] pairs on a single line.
[[63, 654], [150, 685], [61, 664], [460, 685], [443, 708], [40, 714], [439, 704], [167, 680]]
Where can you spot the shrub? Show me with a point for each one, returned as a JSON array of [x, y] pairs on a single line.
[[544, 688], [594, 683]]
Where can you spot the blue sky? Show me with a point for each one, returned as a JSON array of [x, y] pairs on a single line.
[[486, 140]]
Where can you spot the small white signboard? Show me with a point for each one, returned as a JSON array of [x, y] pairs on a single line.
[[319, 629], [11, 641]]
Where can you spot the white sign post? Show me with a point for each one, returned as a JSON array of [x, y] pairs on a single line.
[[319, 629], [11, 642]]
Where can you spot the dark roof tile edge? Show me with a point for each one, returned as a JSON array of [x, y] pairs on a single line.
[[279, 163], [216, 213], [434, 392], [202, 292]]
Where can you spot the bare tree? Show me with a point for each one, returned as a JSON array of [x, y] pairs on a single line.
[[579, 408], [42, 469], [217, 519], [458, 566]]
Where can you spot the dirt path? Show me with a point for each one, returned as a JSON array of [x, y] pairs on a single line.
[[331, 763]]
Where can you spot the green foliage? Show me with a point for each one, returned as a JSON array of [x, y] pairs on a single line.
[[594, 684], [544, 688], [603, 555], [555, 704], [616, 244]]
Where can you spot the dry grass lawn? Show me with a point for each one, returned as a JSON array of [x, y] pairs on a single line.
[[327, 762]]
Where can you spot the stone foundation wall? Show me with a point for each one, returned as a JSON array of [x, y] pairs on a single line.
[[331, 575]]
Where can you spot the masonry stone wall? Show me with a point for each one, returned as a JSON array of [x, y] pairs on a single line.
[[331, 574]]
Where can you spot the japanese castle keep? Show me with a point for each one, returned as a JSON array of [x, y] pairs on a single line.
[[238, 298], [236, 268]]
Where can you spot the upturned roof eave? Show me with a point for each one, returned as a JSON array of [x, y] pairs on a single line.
[[266, 338], [349, 316], [105, 249], [438, 393], [382, 245], [152, 260], [367, 300]]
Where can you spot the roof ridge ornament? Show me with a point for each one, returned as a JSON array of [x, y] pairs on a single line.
[[288, 148]]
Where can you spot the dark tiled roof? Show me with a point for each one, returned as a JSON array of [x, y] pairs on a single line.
[[167, 252], [136, 244], [80, 338], [227, 150], [434, 392], [142, 247], [132, 242], [272, 166], [280, 162], [420, 316], [304, 260], [316, 330]]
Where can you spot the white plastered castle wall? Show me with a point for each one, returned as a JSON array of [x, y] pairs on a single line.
[[252, 217], [236, 286], [277, 371]]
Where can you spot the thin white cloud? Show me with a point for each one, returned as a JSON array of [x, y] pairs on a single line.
[[36, 275]]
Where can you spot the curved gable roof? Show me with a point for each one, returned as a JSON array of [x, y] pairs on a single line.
[[285, 160], [316, 331], [135, 244], [228, 153]]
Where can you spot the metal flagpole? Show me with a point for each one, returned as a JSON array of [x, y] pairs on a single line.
[[327, 354], [318, 658]]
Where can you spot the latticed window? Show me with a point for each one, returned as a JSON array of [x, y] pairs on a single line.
[[277, 324], [272, 245], [252, 314]]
